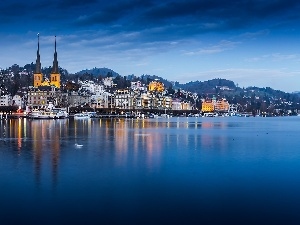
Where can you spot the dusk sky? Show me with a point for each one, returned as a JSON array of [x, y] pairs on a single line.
[[252, 43]]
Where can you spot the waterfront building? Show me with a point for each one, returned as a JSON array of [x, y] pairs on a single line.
[[145, 102], [76, 99], [40, 97], [159, 101], [185, 106], [176, 104], [222, 105], [151, 100], [123, 99], [233, 109], [138, 102], [100, 100], [207, 105], [167, 102], [18, 101]]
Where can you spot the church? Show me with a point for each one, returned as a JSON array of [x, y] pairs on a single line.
[[44, 90], [54, 76]]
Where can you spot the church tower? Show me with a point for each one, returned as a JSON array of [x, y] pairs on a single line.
[[55, 76], [38, 76]]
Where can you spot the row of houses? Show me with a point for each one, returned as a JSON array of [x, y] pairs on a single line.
[[104, 95], [216, 105], [97, 96]]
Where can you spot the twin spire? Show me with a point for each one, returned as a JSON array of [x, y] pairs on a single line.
[[38, 68], [55, 62], [54, 76], [38, 57]]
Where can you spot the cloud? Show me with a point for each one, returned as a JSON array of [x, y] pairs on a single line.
[[222, 46], [178, 20], [254, 35], [276, 57], [112, 13], [169, 19]]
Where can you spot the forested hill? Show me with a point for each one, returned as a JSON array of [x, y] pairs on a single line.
[[104, 72], [209, 86]]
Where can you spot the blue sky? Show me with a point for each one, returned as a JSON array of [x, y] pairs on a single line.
[[253, 43]]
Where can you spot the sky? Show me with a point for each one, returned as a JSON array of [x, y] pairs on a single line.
[[251, 42]]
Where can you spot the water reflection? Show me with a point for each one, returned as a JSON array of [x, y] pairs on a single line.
[[123, 142], [182, 169], [46, 136]]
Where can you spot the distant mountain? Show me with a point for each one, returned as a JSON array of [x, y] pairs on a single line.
[[296, 93], [99, 72], [210, 86]]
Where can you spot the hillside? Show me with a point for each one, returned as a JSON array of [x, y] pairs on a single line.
[[98, 72], [210, 86]]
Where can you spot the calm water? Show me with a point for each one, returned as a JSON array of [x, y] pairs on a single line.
[[156, 171]]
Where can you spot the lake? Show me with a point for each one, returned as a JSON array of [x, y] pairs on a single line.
[[223, 170]]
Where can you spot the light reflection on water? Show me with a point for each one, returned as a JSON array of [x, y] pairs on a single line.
[[178, 170]]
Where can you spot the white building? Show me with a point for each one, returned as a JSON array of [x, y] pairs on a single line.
[[176, 104], [108, 82], [5, 100], [18, 101], [99, 89], [123, 99], [101, 100], [87, 85], [138, 86], [76, 99]]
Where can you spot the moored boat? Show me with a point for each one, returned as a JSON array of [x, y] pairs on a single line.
[[82, 116], [61, 113], [47, 114]]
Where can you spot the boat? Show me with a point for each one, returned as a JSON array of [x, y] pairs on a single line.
[[61, 113], [47, 114], [38, 114], [34, 114], [82, 116]]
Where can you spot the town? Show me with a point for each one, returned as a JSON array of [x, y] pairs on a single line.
[[115, 95]]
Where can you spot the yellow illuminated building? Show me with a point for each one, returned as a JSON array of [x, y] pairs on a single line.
[[207, 105], [38, 77], [46, 82], [156, 86], [54, 76]]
